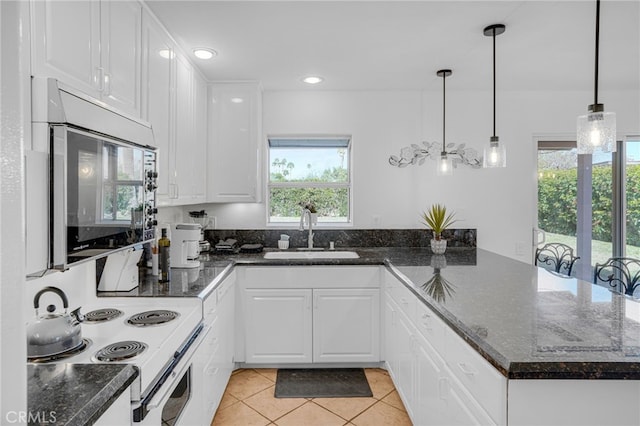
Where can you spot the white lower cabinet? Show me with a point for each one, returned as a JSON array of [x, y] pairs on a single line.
[[213, 363], [342, 325], [288, 319], [441, 380], [312, 325], [278, 326]]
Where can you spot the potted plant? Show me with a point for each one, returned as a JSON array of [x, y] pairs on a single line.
[[437, 218], [313, 213]]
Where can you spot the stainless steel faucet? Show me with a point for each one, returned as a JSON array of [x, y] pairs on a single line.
[[307, 212]]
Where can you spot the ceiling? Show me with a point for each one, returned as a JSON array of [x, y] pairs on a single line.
[[399, 45]]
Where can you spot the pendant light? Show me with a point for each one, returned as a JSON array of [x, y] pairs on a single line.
[[495, 154], [445, 165], [597, 129]]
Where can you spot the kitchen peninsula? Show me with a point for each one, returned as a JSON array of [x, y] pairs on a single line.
[[555, 349]]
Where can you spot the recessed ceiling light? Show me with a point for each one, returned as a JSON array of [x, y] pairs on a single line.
[[204, 53], [313, 79], [237, 100], [166, 53]]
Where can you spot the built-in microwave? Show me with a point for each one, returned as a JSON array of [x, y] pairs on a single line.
[[101, 179], [102, 193]]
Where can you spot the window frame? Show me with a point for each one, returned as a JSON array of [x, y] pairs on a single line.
[[348, 184]]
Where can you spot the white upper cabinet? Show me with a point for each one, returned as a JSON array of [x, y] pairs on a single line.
[[187, 185], [235, 117], [91, 46], [120, 54], [66, 42], [174, 102], [158, 57]]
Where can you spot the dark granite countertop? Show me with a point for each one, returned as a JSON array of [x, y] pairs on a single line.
[[198, 282], [530, 323], [74, 394], [527, 322]]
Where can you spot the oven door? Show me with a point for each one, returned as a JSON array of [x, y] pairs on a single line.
[[101, 195], [172, 401]]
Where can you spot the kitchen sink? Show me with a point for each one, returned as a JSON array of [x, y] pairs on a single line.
[[311, 255]]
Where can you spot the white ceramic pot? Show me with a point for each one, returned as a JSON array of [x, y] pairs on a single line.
[[438, 246]]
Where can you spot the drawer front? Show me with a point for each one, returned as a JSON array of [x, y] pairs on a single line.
[[209, 307], [480, 378], [312, 277], [226, 286], [405, 299], [430, 326]]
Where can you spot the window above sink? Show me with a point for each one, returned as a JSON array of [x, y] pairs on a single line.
[[309, 170]]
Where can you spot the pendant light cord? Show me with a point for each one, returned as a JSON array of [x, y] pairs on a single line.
[[494, 83], [595, 86], [444, 111]]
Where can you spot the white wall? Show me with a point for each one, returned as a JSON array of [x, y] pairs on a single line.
[[14, 119], [500, 202]]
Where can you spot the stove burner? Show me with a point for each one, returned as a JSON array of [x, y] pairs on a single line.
[[102, 315], [63, 355], [152, 318], [120, 351]]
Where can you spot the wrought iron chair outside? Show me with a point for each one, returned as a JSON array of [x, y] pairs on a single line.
[[619, 272], [557, 256]]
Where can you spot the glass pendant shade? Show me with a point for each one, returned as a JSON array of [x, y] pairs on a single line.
[[596, 132], [495, 154], [445, 165]]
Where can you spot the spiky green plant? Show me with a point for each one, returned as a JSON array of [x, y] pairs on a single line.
[[437, 219]]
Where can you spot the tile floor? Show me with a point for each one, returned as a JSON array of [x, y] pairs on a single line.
[[248, 400]]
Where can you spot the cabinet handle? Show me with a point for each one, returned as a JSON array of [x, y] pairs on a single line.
[[404, 301], [426, 315], [99, 79], [107, 83], [308, 302], [443, 388], [463, 367], [315, 302], [173, 191]]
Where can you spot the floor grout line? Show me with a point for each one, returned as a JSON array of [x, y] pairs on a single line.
[[347, 421]]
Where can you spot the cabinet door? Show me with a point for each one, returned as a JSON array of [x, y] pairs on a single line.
[[158, 58], [66, 43], [460, 408], [430, 403], [234, 143], [179, 180], [227, 314], [120, 54], [278, 326], [406, 375], [399, 342], [346, 325], [191, 138]]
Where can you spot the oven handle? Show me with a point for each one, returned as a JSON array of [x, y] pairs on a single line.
[[157, 394]]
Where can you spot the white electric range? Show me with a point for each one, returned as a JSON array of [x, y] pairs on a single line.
[[156, 335]]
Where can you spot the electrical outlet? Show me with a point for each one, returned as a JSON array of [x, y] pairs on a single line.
[[376, 219], [521, 248]]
